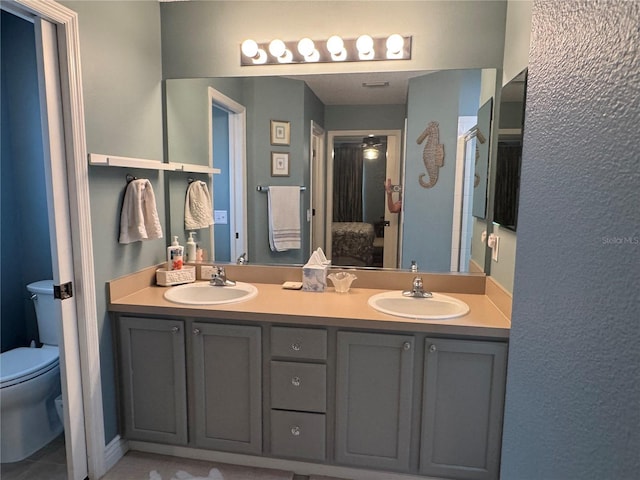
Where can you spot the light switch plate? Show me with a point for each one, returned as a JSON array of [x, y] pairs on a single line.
[[220, 217]]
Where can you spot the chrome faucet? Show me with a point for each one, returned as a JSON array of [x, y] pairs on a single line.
[[417, 290], [242, 259], [219, 279]]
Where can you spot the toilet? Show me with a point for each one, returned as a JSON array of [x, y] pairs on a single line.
[[30, 384]]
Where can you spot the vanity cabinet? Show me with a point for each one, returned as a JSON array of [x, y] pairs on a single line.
[[374, 389], [227, 387], [153, 379], [463, 400]]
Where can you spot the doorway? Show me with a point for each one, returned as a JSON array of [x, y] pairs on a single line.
[[227, 147], [361, 230], [67, 191]]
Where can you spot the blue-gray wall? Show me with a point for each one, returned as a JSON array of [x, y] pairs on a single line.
[[428, 213], [365, 117], [121, 78], [25, 248], [573, 386]]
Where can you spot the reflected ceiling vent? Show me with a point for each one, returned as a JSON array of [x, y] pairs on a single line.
[[375, 84]]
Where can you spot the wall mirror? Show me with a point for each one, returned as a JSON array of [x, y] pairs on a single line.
[[429, 227], [509, 152]]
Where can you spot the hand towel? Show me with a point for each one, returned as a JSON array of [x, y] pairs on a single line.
[[284, 218], [198, 210], [139, 217]]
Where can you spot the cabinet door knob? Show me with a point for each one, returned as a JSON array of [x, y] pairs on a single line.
[[295, 431], [196, 331], [433, 348], [175, 329], [296, 347], [295, 381], [406, 346]]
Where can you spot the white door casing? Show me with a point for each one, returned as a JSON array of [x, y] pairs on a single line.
[[317, 182], [70, 187]]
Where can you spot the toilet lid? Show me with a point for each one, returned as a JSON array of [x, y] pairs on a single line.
[[21, 364]]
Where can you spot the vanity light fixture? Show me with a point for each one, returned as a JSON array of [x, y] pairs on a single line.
[[334, 49]]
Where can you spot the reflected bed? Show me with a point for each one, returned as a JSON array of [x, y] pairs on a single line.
[[352, 243]]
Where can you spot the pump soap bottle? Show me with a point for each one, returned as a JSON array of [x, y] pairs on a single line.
[[191, 248], [174, 255]]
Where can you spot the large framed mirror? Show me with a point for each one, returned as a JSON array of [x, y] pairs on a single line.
[[428, 228]]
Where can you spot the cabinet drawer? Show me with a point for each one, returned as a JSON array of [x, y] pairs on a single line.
[[299, 386], [299, 343], [298, 435]]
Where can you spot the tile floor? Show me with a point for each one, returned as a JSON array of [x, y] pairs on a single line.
[[48, 463]]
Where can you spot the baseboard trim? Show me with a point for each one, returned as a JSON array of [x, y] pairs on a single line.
[[114, 451], [500, 297], [299, 468]]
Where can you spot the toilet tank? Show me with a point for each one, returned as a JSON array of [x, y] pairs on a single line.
[[47, 313]]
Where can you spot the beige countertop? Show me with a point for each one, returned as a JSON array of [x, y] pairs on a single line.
[[276, 305]]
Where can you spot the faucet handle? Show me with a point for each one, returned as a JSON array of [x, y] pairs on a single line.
[[417, 283]]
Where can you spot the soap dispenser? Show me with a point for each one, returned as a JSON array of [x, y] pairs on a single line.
[[174, 255], [191, 248]]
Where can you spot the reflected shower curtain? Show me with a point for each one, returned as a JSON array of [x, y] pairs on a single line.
[[347, 184]]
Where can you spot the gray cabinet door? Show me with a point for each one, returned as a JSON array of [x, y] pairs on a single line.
[[373, 399], [152, 364], [463, 402], [227, 387]]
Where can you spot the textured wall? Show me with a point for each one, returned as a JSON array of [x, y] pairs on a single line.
[[573, 389]]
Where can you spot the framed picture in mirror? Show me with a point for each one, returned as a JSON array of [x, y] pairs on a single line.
[[279, 164], [280, 132]]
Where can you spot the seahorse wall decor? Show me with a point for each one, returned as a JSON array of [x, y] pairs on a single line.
[[480, 139], [432, 154]]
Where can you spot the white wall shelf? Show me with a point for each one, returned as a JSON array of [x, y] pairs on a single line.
[[128, 162]]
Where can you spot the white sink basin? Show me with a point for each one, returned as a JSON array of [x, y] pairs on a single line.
[[204, 294], [438, 307]]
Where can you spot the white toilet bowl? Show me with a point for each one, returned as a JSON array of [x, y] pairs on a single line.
[[30, 384]]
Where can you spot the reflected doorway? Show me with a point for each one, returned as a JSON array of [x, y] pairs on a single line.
[[360, 229]]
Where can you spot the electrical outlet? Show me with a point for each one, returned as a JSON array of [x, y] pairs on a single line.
[[206, 272], [220, 217]]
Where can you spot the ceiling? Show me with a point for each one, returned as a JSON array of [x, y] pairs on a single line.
[[385, 88]]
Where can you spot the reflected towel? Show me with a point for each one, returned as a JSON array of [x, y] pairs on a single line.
[[198, 210], [284, 218], [139, 217]]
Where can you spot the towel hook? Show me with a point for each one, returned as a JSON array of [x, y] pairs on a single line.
[[191, 179], [130, 178]]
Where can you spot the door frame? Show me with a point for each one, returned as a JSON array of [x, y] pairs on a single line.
[[317, 182], [86, 357], [237, 169], [394, 149]]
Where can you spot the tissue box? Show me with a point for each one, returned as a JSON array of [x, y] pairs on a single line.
[[168, 278], [314, 279]]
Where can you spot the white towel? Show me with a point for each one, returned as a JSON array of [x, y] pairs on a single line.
[[198, 210], [284, 218], [139, 218]]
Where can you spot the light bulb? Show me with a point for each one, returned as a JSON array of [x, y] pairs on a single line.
[[364, 44], [277, 48], [335, 45], [370, 153], [395, 44], [306, 47], [250, 48]]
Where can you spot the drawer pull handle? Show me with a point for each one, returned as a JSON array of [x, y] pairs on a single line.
[[406, 346], [175, 329], [433, 348], [196, 331], [296, 347], [295, 381], [295, 431]]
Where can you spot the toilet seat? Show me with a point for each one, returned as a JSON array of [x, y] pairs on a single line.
[[23, 363]]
